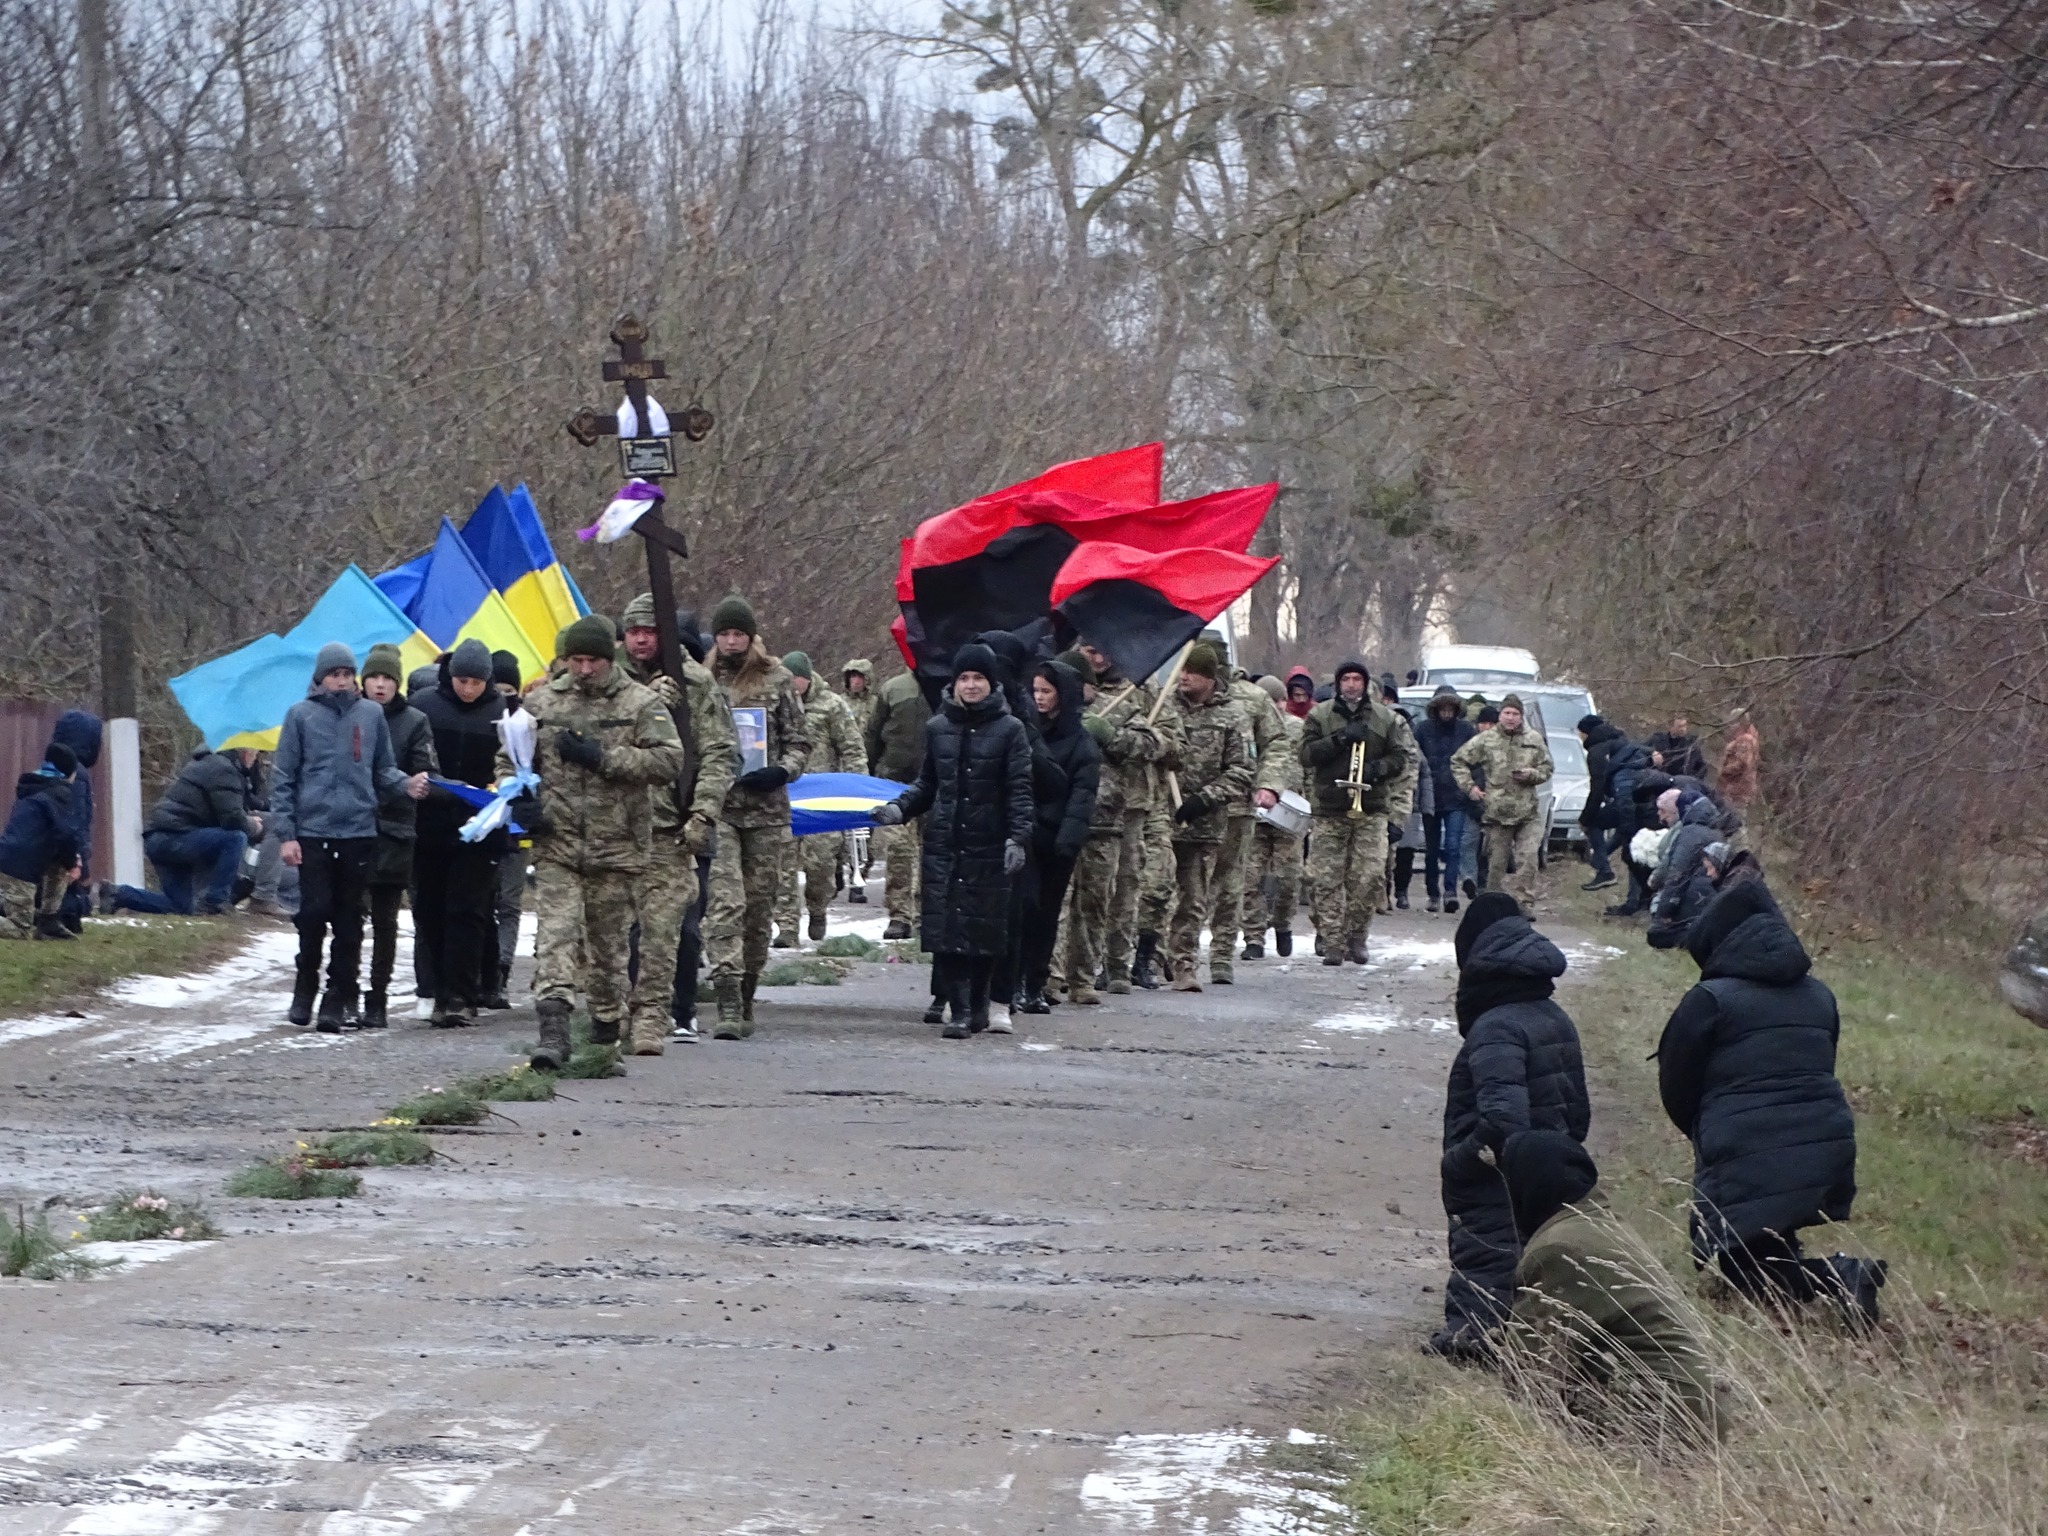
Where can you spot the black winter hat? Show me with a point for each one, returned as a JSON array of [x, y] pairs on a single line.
[[1736, 905], [1350, 664], [61, 758], [505, 669], [976, 657], [1487, 908], [1488, 716], [1589, 723], [1545, 1172], [471, 659], [687, 632]]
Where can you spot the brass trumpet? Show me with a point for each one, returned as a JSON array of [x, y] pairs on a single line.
[[1355, 780]]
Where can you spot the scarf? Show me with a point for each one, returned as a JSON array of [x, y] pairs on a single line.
[[1478, 994]]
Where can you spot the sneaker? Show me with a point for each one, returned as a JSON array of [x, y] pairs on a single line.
[[999, 1020], [423, 1008], [686, 1032], [1433, 905], [1450, 904], [1401, 903], [957, 1030], [1600, 882], [260, 908]]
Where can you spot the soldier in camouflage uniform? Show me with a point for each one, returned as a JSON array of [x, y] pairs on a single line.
[[753, 831], [895, 745], [1400, 796], [1142, 899], [1130, 745], [857, 685], [1215, 771], [1347, 838], [1513, 760], [835, 748], [1272, 881], [1233, 857], [685, 820], [601, 741]]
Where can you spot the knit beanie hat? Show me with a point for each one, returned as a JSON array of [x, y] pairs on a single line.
[[1213, 638], [1512, 701], [1487, 716], [472, 659], [384, 661], [1589, 724], [1078, 664], [1486, 909], [422, 679], [333, 657], [733, 612], [505, 669], [61, 758], [1273, 688], [639, 613], [975, 657], [1351, 664], [798, 663], [1202, 662], [590, 635], [1545, 1171]]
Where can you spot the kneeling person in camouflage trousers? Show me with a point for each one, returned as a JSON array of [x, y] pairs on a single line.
[[602, 741]]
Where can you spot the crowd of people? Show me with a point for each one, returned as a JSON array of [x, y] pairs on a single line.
[[1062, 833]]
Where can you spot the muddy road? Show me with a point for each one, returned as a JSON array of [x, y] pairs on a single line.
[[841, 1277]]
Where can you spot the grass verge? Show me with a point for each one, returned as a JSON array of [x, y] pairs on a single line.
[[37, 972], [143, 1215], [293, 1178], [1938, 1422]]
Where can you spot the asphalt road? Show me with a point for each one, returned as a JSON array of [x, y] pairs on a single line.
[[844, 1276]]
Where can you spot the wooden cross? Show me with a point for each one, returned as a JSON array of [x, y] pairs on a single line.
[[648, 457]]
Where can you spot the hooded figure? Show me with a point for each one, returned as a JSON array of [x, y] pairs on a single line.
[[1060, 827], [38, 847], [1012, 677], [1519, 1069], [974, 792], [80, 731], [1443, 729], [456, 894], [1746, 1070]]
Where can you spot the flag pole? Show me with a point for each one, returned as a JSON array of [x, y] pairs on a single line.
[[1172, 677]]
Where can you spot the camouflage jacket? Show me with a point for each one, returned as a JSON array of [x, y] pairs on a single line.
[[1401, 787], [834, 730], [717, 749], [757, 680], [603, 820], [1288, 756], [1500, 757], [1326, 756], [1269, 741], [1215, 755], [863, 703], [1128, 756], [895, 730]]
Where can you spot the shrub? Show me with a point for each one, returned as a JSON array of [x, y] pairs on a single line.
[[368, 1149], [456, 1104], [293, 1178], [134, 1216]]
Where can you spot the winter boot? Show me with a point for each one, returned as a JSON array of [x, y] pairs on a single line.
[[1221, 975], [859, 894], [552, 1054], [500, 998], [1184, 976], [1118, 986], [352, 1012], [1034, 1001], [817, 926], [1332, 953], [1450, 904], [1283, 942], [898, 929], [783, 940], [604, 1031], [732, 1018], [51, 926], [375, 1011], [1354, 949], [1320, 945], [1254, 950], [1851, 1284], [994, 1018], [303, 992], [748, 982], [1142, 972], [955, 1002], [332, 1009], [1400, 901], [1083, 995], [936, 1014], [1434, 905]]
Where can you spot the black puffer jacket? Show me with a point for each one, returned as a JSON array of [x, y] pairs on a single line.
[[412, 744], [1698, 830], [1519, 1068], [1437, 739], [974, 791], [209, 791], [1746, 1069], [1062, 824], [465, 746]]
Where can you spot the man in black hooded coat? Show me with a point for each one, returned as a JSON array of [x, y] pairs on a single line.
[[1519, 1069], [1746, 1069]]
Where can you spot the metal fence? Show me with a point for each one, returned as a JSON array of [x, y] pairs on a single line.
[[24, 732]]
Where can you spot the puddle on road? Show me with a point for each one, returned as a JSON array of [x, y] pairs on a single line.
[[1203, 1482]]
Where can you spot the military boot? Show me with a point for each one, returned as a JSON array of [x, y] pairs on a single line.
[[1283, 942], [604, 1031], [898, 929], [1331, 951], [1354, 949], [817, 925], [375, 1011], [498, 999], [936, 1014], [552, 1054], [1082, 995], [1254, 950], [748, 983], [1142, 973], [732, 1018], [303, 992]]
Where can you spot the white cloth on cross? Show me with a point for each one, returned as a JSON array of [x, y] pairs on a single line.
[[656, 424]]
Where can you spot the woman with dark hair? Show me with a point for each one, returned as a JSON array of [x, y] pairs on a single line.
[[456, 883], [974, 791], [1060, 827]]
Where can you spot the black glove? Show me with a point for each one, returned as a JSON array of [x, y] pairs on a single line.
[[1394, 834], [887, 815], [584, 751], [1355, 731], [1013, 858], [1067, 851], [527, 812], [1193, 807], [764, 781]]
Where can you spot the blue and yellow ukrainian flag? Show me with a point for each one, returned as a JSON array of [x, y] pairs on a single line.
[[240, 699], [452, 599], [511, 545], [837, 802]]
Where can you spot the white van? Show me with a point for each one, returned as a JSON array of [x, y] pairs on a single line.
[[1483, 667]]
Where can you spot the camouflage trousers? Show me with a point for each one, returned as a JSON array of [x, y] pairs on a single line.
[[1157, 880], [1347, 865], [1525, 839], [1194, 868], [1089, 898], [22, 902], [1233, 864], [1123, 928], [899, 849], [665, 893], [819, 858], [746, 871], [1272, 882], [585, 923]]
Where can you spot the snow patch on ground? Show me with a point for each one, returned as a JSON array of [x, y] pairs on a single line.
[[13, 1031], [1413, 954], [160, 1043], [1203, 1482], [266, 954], [272, 1432], [1378, 1022], [147, 1251]]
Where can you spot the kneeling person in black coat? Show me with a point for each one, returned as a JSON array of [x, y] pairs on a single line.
[[1518, 1070]]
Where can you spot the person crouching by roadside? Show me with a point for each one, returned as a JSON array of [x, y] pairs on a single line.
[[391, 867], [1519, 1069], [39, 849], [974, 791], [197, 835], [334, 766]]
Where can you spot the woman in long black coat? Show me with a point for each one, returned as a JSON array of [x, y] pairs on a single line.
[[974, 792], [1519, 1069], [1746, 1069], [455, 884], [1060, 826]]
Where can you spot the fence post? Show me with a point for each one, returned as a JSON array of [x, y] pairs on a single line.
[[124, 772]]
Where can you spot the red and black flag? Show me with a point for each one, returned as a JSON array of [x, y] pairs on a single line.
[[1139, 607]]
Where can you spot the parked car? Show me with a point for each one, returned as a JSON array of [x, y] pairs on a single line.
[[1491, 669]]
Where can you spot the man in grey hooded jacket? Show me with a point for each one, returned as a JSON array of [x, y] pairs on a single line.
[[334, 764]]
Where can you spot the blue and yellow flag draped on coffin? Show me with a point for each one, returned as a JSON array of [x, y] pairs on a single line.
[[511, 546], [446, 593], [240, 699], [837, 802]]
